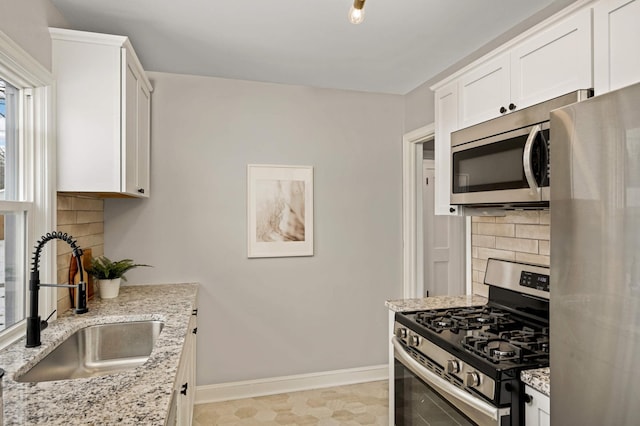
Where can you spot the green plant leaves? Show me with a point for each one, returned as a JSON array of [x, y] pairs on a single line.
[[103, 268]]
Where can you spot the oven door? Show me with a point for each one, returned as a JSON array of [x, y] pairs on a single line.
[[423, 398], [508, 168]]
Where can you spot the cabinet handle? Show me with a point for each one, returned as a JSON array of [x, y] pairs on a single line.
[[528, 398], [502, 110], [141, 190], [195, 330], [184, 389], [452, 210], [194, 312], [512, 107]]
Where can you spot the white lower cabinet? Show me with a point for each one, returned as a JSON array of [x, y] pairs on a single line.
[[537, 410], [616, 52], [185, 385]]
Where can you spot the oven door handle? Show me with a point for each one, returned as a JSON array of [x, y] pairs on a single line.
[[526, 158], [441, 384]]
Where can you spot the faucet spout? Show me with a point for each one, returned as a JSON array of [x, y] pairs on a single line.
[[34, 324]]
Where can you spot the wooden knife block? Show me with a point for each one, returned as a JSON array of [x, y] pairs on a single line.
[[74, 275]]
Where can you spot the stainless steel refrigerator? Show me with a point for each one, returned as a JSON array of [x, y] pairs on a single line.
[[595, 261]]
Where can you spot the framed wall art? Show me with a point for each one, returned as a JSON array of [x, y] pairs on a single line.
[[279, 210]]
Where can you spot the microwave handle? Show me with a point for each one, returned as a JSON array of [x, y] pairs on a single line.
[[526, 158]]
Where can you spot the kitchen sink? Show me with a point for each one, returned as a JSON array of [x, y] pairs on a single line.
[[97, 350]]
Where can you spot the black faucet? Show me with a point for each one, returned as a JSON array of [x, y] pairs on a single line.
[[34, 324]]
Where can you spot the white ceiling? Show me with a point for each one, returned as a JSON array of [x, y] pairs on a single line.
[[400, 45]]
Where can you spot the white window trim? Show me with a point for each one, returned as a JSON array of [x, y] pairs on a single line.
[[25, 73]]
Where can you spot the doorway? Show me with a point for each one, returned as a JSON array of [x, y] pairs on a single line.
[[434, 246]]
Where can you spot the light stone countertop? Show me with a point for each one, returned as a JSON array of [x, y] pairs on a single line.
[[434, 302], [139, 396], [538, 379]]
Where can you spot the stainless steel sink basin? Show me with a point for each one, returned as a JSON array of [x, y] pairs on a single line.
[[97, 350]]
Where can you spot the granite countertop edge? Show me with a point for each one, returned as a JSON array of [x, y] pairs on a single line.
[[138, 396], [435, 302], [538, 379]]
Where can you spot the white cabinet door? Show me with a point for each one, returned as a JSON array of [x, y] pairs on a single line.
[[136, 102], [553, 62], [446, 99], [550, 63], [537, 411], [103, 115], [144, 141], [186, 380], [616, 44], [484, 92]]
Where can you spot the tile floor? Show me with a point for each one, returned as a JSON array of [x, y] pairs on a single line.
[[360, 404]]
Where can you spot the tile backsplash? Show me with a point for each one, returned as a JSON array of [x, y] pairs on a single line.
[[83, 218], [519, 235]]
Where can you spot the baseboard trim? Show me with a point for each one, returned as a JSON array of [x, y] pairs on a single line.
[[276, 385]]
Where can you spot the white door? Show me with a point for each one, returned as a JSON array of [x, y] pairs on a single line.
[[444, 241]]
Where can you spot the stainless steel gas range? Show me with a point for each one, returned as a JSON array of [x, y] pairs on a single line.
[[461, 366]]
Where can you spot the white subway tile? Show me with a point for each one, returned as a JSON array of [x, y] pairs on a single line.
[[533, 258], [517, 244], [499, 230], [531, 217], [488, 241], [536, 232], [485, 253]]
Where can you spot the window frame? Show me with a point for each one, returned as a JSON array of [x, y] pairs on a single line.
[[36, 106]]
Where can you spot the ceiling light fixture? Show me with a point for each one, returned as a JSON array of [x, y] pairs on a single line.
[[356, 13]]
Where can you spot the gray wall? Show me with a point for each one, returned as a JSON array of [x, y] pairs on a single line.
[[419, 106], [271, 317], [27, 23]]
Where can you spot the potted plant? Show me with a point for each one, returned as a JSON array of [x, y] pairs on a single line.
[[109, 274]]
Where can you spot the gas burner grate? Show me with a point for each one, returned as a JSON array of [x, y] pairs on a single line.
[[517, 346], [471, 318], [494, 349]]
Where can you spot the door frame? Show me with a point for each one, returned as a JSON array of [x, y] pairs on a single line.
[[412, 237], [412, 252]]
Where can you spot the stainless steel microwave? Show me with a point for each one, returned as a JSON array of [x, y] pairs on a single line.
[[504, 162]]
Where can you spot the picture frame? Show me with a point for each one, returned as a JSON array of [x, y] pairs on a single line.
[[279, 210]]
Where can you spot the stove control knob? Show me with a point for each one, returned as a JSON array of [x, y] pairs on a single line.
[[401, 333], [414, 340], [471, 379], [453, 366]]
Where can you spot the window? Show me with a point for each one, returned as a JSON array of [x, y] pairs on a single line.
[[12, 215], [27, 183]]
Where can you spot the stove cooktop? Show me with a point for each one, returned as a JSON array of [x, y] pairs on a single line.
[[488, 337]]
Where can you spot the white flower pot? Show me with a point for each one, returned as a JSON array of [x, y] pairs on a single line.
[[109, 288]]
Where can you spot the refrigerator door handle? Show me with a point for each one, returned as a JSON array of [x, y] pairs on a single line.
[[526, 158]]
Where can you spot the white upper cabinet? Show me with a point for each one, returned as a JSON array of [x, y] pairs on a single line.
[[554, 62], [616, 44], [549, 60], [103, 109], [447, 121], [549, 63], [485, 91]]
